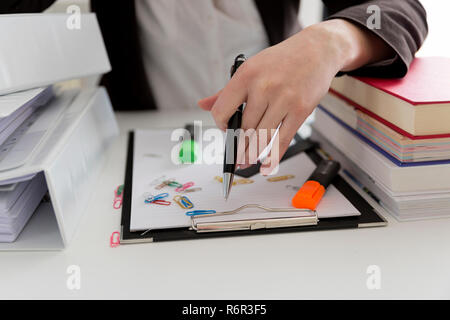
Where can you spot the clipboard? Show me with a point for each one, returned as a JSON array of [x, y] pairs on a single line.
[[369, 216]]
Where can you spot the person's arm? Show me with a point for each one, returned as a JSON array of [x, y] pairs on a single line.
[[24, 6], [284, 83], [403, 27]]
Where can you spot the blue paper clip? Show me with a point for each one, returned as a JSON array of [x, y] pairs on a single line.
[[157, 197], [199, 212], [183, 202]]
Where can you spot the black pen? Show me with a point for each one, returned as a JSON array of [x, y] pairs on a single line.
[[232, 138]]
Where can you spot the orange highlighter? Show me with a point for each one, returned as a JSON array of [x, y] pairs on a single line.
[[312, 191]]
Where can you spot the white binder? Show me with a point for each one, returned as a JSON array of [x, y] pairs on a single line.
[[70, 155], [39, 50], [65, 141]]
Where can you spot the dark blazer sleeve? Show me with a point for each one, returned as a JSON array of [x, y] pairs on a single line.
[[403, 26], [24, 6]]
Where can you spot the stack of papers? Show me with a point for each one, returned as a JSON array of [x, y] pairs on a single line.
[[19, 197], [17, 206], [16, 107]]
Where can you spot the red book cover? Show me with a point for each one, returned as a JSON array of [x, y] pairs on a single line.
[[385, 122], [427, 82]]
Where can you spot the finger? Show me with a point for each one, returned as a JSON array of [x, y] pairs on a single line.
[[288, 128], [265, 131], [253, 113], [208, 102], [232, 96], [254, 110]]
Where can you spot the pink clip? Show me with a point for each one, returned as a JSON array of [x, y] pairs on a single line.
[[185, 186], [114, 241], [117, 203]]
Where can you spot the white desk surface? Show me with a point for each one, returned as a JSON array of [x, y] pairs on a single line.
[[414, 257]]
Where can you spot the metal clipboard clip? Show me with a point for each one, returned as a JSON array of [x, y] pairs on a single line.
[[306, 217]]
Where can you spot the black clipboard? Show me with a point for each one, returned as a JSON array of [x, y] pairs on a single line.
[[368, 218]]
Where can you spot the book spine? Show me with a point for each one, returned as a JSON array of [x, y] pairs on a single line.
[[385, 122], [395, 178]]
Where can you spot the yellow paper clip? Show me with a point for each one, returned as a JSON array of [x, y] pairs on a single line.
[[235, 182], [243, 181], [281, 178], [183, 202]]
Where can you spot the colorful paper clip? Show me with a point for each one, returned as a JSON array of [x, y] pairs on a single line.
[[235, 182], [183, 202], [163, 184], [118, 197], [174, 184], [199, 212], [281, 178], [152, 198], [185, 186], [114, 240], [191, 190], [243, 181], [161, 202]]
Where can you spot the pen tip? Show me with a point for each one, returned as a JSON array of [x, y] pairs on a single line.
[[227, 183], [226, 193]]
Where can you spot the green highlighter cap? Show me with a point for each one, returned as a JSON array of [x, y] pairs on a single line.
[[187, 151]]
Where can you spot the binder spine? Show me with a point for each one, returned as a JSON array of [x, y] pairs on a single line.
[[48, 51], [73, 171]]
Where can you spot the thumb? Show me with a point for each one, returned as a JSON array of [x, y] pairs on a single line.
[[208, 102]]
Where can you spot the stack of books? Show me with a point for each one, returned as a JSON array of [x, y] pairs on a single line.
[[37, 51], [392, 136]]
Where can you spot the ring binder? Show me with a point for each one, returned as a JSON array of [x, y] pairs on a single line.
[[71, 158]]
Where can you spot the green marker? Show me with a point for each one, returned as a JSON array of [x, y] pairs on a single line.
[[188, 151]]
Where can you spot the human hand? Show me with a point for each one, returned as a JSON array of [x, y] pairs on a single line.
[[284, 83]]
